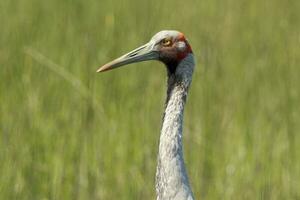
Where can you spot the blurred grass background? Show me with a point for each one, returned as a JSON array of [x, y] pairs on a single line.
[[69, 133]]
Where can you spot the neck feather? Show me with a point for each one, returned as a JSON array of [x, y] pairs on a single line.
[[171, 177]]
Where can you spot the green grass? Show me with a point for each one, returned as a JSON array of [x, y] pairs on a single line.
[[69, 133]]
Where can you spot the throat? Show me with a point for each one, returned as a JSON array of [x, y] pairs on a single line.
[[171, 67]]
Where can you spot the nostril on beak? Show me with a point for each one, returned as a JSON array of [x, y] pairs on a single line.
[[132, 55], [135, 52]]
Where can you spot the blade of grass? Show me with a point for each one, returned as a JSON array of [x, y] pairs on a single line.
[[60, 71]]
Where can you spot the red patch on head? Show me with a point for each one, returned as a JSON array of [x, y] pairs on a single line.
[[182, 55]]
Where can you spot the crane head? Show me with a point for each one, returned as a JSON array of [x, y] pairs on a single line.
[[169, 47]]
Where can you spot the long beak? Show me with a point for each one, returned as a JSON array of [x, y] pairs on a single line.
[[145, 52]]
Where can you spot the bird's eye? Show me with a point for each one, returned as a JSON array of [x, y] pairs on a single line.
[[166, 42]]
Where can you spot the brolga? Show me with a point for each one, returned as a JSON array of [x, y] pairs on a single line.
[[172, 49]]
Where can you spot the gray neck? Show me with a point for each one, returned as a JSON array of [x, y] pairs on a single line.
[[171, 177]]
